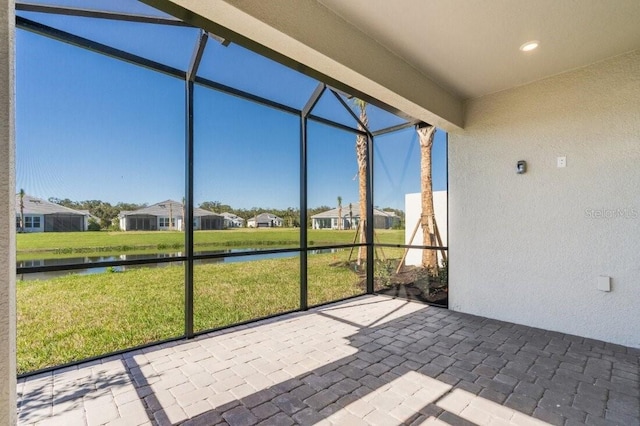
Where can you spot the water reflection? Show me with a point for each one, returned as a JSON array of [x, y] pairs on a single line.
[[88, 260]]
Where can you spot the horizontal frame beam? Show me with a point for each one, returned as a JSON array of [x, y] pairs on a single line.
[[65, 37], [336, 125], [244, 95], [396, 128], [411, 246], [76, 266], [100, 14]]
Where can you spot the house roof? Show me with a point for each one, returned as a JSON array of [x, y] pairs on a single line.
[[166, 208], [228, 215], [33, 205], [355, 210], [265, 217]]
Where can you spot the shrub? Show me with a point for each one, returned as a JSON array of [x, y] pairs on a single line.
[[93, 225]]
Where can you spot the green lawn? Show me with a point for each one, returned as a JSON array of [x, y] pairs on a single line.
[[79, 316], [71, 244]]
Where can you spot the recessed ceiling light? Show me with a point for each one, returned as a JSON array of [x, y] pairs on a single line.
[[530, 45]]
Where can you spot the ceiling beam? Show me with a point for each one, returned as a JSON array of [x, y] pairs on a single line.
[[309, 37]]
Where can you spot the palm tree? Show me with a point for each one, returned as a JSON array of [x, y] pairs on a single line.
[[291, 214], [22, 194], [361, 156], [350, 216], [426, 133], [339, 213], [170, 216], [184, 216]]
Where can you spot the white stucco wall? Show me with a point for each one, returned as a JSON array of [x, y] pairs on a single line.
[[529, 248], [413, 211], [7, 220]]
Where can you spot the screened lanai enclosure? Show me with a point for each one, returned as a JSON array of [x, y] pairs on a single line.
[[121, 108]]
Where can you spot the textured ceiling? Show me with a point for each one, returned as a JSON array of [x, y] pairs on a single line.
[[471, 47]]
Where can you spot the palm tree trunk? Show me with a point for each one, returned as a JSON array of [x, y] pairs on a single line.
[[361, 155], [22, 193], [350, 216], [184, 217], [427, 220]]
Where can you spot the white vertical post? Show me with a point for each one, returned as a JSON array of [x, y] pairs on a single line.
[[7, 218]]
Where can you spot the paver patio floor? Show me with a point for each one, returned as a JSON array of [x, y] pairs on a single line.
[[368, 361]]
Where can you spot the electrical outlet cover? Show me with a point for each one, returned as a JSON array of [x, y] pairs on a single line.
[[562, 161]]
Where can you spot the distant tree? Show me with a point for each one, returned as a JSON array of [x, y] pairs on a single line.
[[104, 211], [213, 206], [66, 202], [22, 194], [129, 206], [400, 223], [339, 213], [93, 225], [115, 225], [290, 215]]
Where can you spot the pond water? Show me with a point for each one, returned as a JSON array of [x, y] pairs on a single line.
[[88, 260]]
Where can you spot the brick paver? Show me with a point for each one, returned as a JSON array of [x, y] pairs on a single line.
[[369, 361]]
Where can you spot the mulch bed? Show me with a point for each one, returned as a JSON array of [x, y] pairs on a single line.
[[410, 283]]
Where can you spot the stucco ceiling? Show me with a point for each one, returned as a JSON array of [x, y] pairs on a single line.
[[471, 47]]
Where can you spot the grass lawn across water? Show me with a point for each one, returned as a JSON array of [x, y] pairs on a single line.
[[79, 316], [49, 245]]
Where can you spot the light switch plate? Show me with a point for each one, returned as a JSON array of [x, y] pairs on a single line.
[[604, 283]]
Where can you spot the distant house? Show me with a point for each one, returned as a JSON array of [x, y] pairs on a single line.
[[351, 218], [232, 221], [44, 216], [167, 215], [265, 220]]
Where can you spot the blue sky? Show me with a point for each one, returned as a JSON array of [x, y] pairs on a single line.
[[92, 127]]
